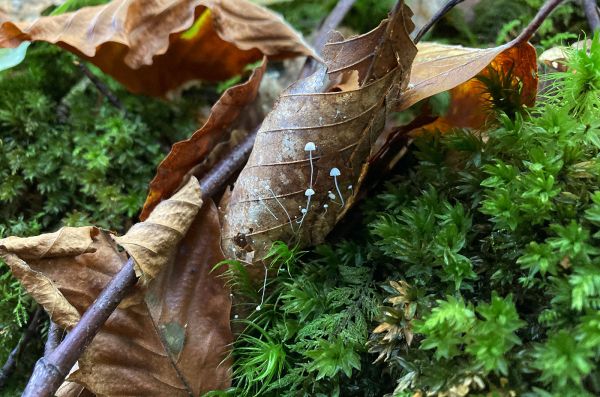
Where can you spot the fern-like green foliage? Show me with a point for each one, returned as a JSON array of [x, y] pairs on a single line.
[[308, 336]]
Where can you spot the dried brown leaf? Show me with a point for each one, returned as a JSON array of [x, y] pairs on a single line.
[[174, 343], [62, 271], [226, 115], [154, 46], [440, 67], [470, 105], [152, 243], [340, 111]]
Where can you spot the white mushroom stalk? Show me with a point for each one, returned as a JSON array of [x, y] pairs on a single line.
[[268, 188], [310, 147], [335, 172], [262, 299]]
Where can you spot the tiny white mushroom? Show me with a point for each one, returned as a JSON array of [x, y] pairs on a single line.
[[236, 316], [326, 206], [310, 147], [331, 195], [308, 193], [335, 172], [258, 308]]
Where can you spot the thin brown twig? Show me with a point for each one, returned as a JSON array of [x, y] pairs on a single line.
[[592, 14], [11, 361], [102, 88], [539, 18], [50, 371], [435, 19]]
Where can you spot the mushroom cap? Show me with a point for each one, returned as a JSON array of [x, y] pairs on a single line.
[[310, 146], [309, 192], [335, 172]]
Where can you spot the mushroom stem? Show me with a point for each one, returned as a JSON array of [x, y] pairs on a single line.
[[338, 190], [281, 205], [262, 299]]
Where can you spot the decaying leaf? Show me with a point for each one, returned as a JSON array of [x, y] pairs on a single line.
[[174, 343], [226, 115], [439, 67], [154, 46], [470, 101], [151, 243], [63, 271], [309, 157]]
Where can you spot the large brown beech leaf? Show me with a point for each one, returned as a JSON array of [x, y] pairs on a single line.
[[175, 342], [320, 125], [227, 114], [154, 46], [167, 339]]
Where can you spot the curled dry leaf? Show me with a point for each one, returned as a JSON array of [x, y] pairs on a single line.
[[227, 114], [556, 57], [470, 102], [154, 46], [439, 67], [152, 243], [175, 342], [309, 157], [61, 269]]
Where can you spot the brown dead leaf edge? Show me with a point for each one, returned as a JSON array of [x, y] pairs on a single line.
[[154, 46], [190, 156], [167, 340]]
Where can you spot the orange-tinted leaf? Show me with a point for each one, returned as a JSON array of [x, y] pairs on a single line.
[[185, 155], [154, 46], [324, 122], [470, 105], [439, 67]]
